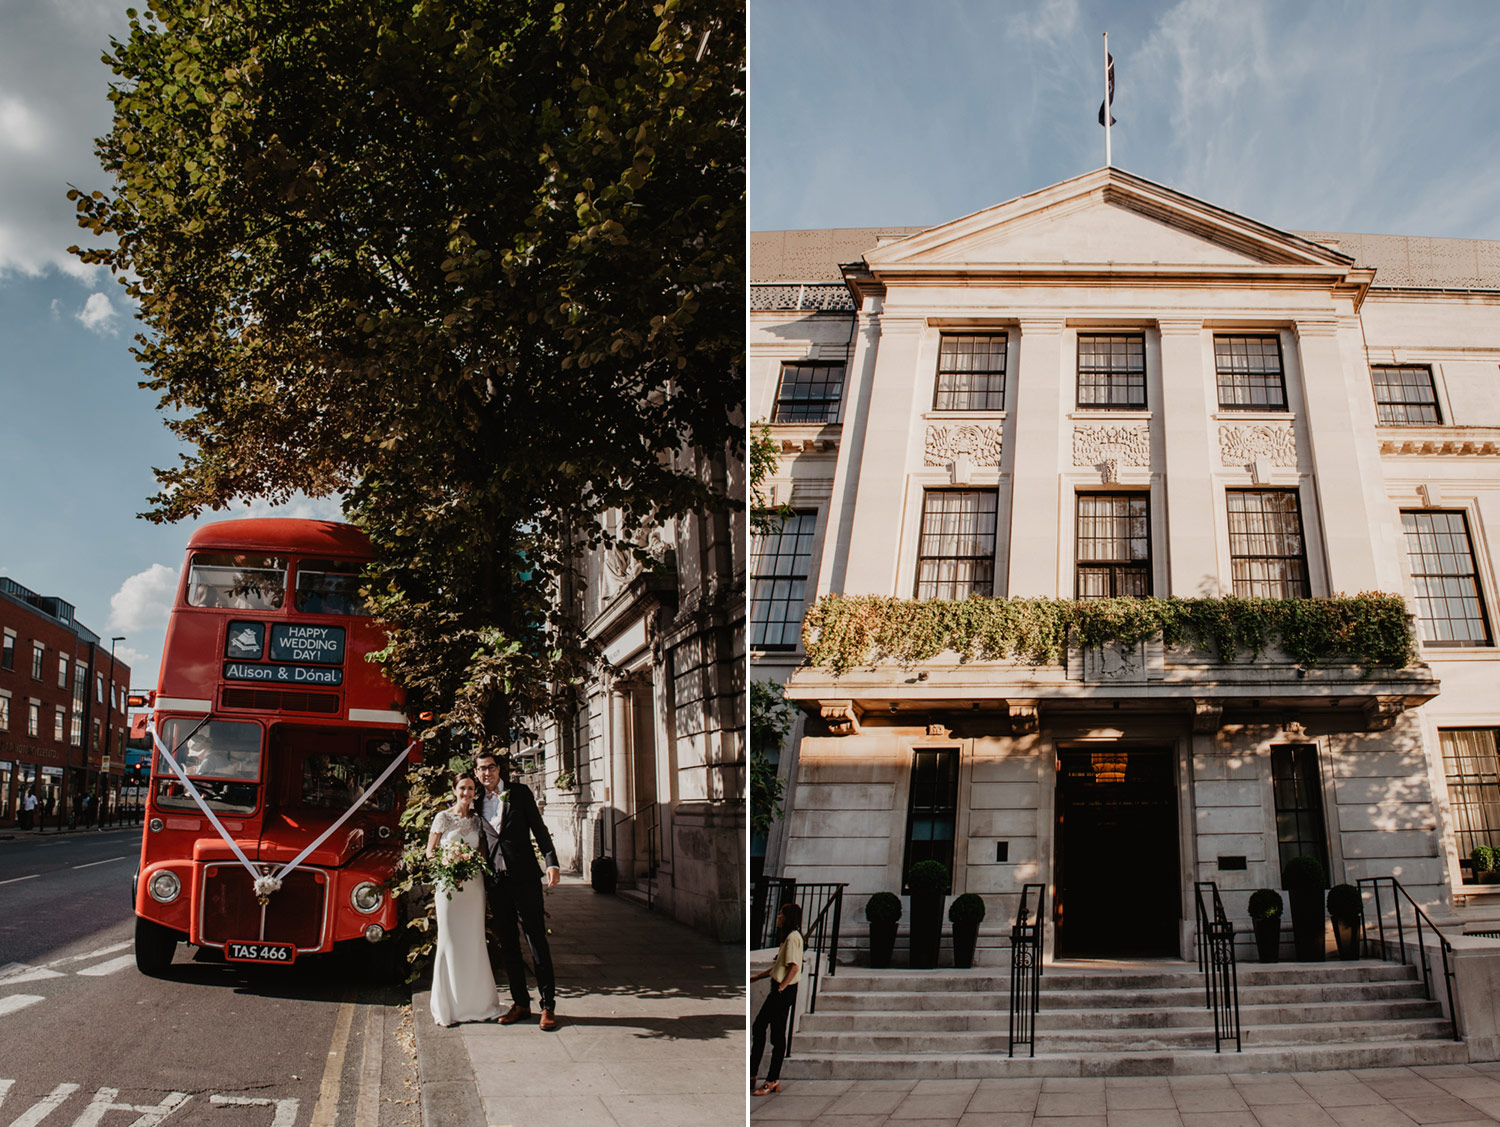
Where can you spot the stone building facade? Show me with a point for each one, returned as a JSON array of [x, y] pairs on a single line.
[[1110, 388], [650, 769]]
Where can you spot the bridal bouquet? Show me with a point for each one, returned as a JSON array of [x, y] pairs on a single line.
[[454, 863]]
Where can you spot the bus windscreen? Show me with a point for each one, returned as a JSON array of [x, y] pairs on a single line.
[[222, 758]]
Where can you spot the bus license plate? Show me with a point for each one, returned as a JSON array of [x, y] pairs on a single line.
[[282, 953]]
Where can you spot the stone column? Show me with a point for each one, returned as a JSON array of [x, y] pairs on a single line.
[[1186, 421], [874, 536], [1349, 481], [1041, 404], [621, 840]]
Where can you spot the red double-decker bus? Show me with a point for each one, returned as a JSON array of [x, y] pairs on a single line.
[[277, 724]]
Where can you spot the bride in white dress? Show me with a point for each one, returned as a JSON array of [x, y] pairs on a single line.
[[463, 986]]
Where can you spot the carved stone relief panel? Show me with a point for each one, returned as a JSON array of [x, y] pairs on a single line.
[[1127, 444], [945, 443], [1269, 442]]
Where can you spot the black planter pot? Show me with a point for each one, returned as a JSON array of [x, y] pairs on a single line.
[[1268, 939], [882, 942], [602, 874], [1307, 924], [965, 939], [926, 929], [1346, 937]]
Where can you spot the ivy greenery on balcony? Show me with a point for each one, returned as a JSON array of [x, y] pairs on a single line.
[[1371, 630]]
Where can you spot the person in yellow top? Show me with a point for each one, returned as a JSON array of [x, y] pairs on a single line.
[[775, 1014]]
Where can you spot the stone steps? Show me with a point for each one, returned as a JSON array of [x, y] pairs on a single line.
[[1119, 1019]]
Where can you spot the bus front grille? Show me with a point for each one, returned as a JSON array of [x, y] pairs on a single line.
[[293, 914], [278, 700]]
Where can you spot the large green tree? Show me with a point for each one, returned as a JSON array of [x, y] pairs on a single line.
[[476, 264]]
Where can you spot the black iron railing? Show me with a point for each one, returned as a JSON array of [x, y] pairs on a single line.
[[1393, 946], [650, 817], [1026, 968], [770, 893], [821, 940], [1216, 961]]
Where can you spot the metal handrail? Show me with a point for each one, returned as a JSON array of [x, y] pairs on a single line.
[[653, 829], [822, 939], [1399, 893], [1026, 969], [1217, 962]]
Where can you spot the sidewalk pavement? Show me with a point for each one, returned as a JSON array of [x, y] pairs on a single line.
[[1455, 1095], [652, 1031]]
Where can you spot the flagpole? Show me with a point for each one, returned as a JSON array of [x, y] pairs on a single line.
[[1107, 161]]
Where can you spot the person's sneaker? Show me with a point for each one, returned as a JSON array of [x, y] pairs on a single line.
[[549, 1020], [515, 1014]]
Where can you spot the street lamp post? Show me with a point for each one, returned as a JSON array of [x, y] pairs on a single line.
[[108, 730]]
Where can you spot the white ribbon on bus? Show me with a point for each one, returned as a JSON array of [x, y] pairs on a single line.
[[265, 885]]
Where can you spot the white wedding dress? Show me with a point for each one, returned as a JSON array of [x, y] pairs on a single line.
[[463, 986]]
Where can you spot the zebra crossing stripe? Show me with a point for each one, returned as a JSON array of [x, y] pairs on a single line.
[[18, 1002], [108, 968], [45, 1106], [13, 973]]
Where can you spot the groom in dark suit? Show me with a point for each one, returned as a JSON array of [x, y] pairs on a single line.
[[508, 818]]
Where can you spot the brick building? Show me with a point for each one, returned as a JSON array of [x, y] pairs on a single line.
[[62, 706]]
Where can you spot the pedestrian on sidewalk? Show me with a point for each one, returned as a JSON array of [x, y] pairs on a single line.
[[28, 809], [776, 1012], [508, 819]]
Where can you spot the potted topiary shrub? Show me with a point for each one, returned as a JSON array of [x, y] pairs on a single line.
[[1304, 883], [965, 913], [1346, 909], [1265, 919], [1486, 861], [883, 910], [928, 881]]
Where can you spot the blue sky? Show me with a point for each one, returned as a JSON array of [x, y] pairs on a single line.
[[1344, 115], [78, 439]]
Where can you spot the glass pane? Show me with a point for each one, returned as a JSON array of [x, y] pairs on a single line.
[[237, 580]]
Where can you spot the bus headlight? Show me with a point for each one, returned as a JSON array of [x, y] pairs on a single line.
[[374, 933], [164, 887], [366, 897], [155, 825]]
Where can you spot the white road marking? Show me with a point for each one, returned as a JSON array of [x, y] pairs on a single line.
[[286, 1110], [104, 1100], [106, 861], [30, 876], [110, 967], [19, 1002], [13, 973], [44, 1106], [4, 1088], [94, 954]]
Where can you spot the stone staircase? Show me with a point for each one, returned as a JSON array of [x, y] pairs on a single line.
[[1104, 1018]]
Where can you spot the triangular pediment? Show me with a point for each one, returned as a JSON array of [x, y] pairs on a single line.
[[1106, 217]]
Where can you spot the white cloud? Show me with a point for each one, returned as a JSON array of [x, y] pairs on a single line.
[[1051, 22], [53, 103], [98, 315], [142, 603]]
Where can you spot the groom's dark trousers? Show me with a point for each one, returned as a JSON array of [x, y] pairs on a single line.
[[515, 893]]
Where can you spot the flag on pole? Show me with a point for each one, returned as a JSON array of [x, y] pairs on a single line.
[[1108, 104]]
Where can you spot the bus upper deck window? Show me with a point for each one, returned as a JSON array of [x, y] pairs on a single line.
[[329, 587], [237, 580]]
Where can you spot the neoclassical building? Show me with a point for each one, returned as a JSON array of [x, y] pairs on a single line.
[[1109, 388]]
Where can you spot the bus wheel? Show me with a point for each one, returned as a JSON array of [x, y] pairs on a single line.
[[154, 947]]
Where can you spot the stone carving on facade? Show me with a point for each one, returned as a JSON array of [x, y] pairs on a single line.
[[1381, 713], [1023, 716], [622, 563], [842, 717], [1108, 448], [1269, 442], [938, 732], [1207, 715], [980, 442]]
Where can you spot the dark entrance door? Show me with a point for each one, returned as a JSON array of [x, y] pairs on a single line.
[[1117, 872]]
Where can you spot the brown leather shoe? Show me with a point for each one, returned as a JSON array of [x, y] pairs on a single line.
[[549, 1021], [515, 1014]]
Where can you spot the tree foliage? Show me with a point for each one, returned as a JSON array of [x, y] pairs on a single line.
[[771, 718], [476, 264]]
